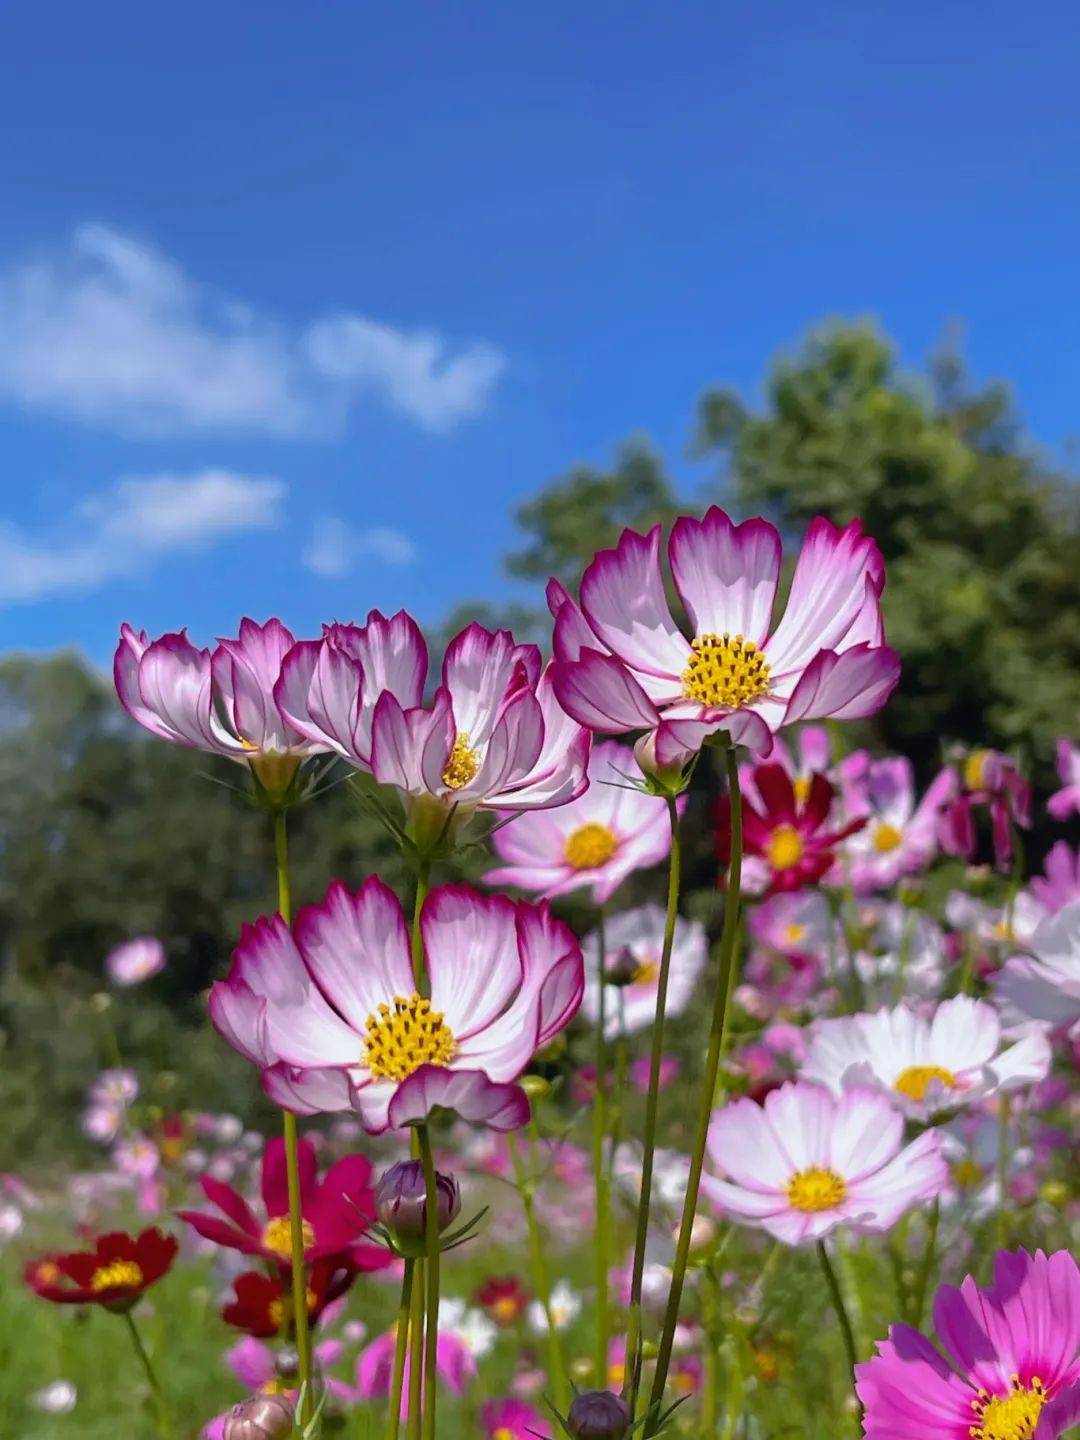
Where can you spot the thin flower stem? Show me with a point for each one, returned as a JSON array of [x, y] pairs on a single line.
[[925, 1269], [1004, 1116], [292, 1167], [161, 1409], [401, 1346], [728, 940], [431, 1337], [416, 1352], [423, 885], [541, 1282], [633, 1339], [600, 1175], [837, 1299]]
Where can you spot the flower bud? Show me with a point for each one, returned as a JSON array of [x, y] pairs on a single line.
[[621, 967], [263, 1417], [401, 1202], [599, 1415], [535, 1086]]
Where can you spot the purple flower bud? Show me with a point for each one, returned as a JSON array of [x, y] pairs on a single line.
[[599, 1415], [401, 1201], [263, 1417]]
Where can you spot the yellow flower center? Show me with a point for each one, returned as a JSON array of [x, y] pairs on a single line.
[[47, 1273], [1009, 1417], [725, 671], [505, 1309], [801, 786], [886, 837], [646, 973], [616, 1375], [917, 1079], [463, 764], [278, 1235], [786, 847], [816, 1190], [974, 769], [794, 933], [276, 1309], [589, 846], [117, 1273], [965, 1173], [400, 1040], [502, 1432]]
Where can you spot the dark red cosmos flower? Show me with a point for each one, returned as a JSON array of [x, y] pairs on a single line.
[[787, 833], [503, 1298], [115, 1273], [262, 1304], [337, 1211]]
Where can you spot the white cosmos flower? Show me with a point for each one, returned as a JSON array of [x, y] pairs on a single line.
[[565, 1308], [925, 1063], [641, 933], [1044, 986], [472, 1327]]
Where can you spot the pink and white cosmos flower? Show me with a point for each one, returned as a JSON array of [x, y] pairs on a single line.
[[135, 960], [596, 841], [1044, 985], [635, 940], [806, 1162], [623, 664], [900, 837], [1066, 801], [1011, 1362], [330, 1012], [925, 1063], [493, 736]]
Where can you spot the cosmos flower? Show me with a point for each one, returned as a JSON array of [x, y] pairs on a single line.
[[260, 1305], [222, 702], [493, 736], [512, 1419], [1066, 801], [1046, 894], [926, 1064], [1044, 985], [793, 923], [330, 1013], [791, 841], [502, 1297], [1011, 1351], [806, 1162], [455, 1363], [622, 664], [900, 837], [336, 1210], [565, 1308], [135, 960], [636, 938], [596, 840], [115, 1273], [991, 779]]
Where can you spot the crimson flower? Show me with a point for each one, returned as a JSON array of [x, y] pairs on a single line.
[[503, 1298], [337, 1212], [114, 1274], [791, 836], [261, 1303]]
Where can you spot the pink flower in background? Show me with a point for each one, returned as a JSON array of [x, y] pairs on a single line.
[[806, 1162], [987, 778], [807, 756], [635, 940], [622, 663], [135, 960], [1066, 801], [596, 840], [925, 1063], [1059, 884], [670, 1069], [330, 1013], [493, 735], [221, 701], [1011, 1353], [512, 1420], [900, 837], [1044, 985], [793, 923], [455, 1360]]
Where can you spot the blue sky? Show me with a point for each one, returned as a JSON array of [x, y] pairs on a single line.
[[297, 302]]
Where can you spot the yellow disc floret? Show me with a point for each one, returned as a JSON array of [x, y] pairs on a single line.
[[786, 847], [916, 1080], [277, 1235], [116, 1275], [589, 846], [886, 837], [1009, 1417], [400, 1039], [725, 671], [816, 1190], [463, 764]]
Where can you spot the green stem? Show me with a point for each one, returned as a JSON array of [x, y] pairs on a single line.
[[600, 1175], [837, 1299], [634, 1336], [164, 1420], [292, 1166], [433, 1255], [929, 1255], [1004, 1115], [728, 937], [401, 1346], [416, 1352], [541, 1281], [423, 885]]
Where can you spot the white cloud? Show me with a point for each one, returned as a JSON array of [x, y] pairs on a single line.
[[124, 529], [334, 546], [111, 332]]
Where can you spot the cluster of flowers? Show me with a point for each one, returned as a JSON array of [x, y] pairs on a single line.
[[875, 1060]]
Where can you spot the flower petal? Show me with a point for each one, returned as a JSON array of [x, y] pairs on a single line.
[[726, 574], [469, 1093], [622, 596]]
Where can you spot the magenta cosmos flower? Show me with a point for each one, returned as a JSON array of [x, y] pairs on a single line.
[[596, 841], [1011, 1349], [221, 701], [1066, 801], [330, 1013], [900, 836], [623, 664], [494, 734], [806, 1162]]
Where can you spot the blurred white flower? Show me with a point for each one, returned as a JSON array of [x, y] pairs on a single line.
[[565, 1308], [56, 1399]]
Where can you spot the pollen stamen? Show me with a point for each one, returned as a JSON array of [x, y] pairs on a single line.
[[400, 1039], [813, 1190], [724, 671], [462, 765]]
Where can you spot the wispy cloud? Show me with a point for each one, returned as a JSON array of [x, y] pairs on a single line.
[[110, 331], [335, 546], [124, 529]]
